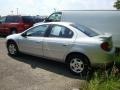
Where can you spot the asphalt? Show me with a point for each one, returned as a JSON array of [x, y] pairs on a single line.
[[26, 72]]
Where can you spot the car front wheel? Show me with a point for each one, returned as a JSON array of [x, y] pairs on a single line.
[[12, 48]]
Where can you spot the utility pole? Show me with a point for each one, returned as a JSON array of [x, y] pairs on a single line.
[[17, 11], [12, 12]]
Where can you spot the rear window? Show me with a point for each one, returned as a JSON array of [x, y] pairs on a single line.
[[28, 19], [89, 32], [12, 19]]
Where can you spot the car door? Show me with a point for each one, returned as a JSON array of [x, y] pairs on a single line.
[[31, 41], [2, 24], [58, 43]]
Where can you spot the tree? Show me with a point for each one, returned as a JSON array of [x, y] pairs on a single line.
[[117, 4]]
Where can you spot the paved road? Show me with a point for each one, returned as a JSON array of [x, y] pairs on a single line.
[[31, 73]]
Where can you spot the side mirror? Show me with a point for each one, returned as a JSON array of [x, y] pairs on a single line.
[[0, 22], [23, 35]]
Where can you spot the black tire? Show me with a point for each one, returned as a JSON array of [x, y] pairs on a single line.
[[12, 49], [81, 65], [13, 31]]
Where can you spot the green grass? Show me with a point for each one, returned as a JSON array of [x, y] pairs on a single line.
[[99, 82], [104, 81], [117, 58]]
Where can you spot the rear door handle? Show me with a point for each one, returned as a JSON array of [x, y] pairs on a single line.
[[37, 42]]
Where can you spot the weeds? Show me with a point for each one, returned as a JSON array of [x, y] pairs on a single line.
[[106, 80]]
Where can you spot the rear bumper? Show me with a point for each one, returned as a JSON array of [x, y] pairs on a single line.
[[102, 57], [105, 60]]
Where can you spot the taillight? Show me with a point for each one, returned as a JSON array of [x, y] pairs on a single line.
[[106, 46]]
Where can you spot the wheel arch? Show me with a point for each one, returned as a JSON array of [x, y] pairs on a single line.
[[77, 53], [13, 28], [10, 40], [16, 52]]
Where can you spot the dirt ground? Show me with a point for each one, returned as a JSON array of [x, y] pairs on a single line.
[[31, 73]]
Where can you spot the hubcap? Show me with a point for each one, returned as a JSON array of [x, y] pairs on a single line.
[[76, 65], [12, 49]]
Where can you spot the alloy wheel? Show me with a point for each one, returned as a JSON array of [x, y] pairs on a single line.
[[12, 49], [76, 65]]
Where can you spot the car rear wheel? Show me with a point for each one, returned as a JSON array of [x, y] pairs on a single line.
[[78, 64], [12, 49], [13, 31]]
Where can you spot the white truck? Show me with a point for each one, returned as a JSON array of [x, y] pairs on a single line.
[[106, 21]]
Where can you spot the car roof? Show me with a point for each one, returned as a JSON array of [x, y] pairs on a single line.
[[58, 23], [17, 16]]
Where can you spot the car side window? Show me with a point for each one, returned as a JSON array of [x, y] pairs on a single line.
[[27, 19], [12, 19], [38, 31], [60, 32], [55, 17], [2, 20]]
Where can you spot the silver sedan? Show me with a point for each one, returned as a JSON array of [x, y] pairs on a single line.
[[76, 45]]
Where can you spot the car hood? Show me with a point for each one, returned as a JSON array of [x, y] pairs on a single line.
[[13, 36]]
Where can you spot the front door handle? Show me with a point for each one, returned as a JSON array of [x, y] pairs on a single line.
[[65, 44]]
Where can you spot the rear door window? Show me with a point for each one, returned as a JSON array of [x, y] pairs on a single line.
[[60, 32], [28, 19]]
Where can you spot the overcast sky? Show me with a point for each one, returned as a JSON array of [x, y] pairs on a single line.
[[45, 7]]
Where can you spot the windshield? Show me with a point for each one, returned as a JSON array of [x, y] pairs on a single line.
[[55, 16], [89, 32]]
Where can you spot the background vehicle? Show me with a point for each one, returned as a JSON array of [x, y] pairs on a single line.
[[16, 23], [76, 45], [101, 20], [38, 18]]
